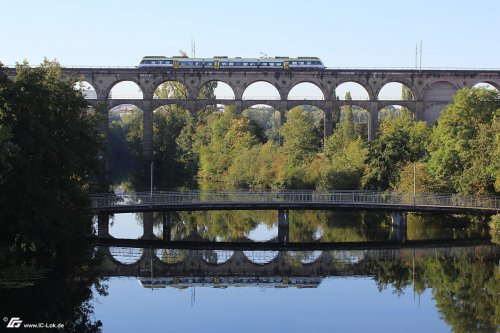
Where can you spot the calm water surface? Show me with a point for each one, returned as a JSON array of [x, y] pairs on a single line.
[[450, 287], [436, 289]]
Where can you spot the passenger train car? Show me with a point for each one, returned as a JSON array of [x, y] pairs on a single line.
[[231, 63]]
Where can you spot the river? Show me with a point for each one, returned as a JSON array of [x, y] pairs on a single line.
[[441, 274]]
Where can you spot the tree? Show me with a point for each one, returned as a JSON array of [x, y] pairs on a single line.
[[172, 148], [227, 138], [299, 138], [464, 147], [399, 141], [56, 162]]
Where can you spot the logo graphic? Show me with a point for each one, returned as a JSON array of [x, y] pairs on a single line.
[[15, 322]]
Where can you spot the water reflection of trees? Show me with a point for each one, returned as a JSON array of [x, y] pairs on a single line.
[[313, 226], [62, 294], [466, 287]]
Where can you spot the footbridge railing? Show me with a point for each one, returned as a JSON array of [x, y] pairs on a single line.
[[305, 199]]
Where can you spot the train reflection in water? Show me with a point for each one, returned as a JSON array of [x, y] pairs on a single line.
[[230, 281]]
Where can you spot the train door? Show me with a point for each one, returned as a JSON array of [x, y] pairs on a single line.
[[285, 64], [176, 64], [216, 64]]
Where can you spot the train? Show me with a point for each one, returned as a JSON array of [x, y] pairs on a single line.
[[224, 63]]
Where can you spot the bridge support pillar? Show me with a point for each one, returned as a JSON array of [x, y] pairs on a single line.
[[398, 219], [373, 122], [166, 219], [283, 226], [398, 234], [147, 224], [328, 124], [147, 134], [419, 111], [398, 231], [103, 226], [282, 122]]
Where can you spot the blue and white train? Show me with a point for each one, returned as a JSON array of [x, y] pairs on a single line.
[[231, 63]]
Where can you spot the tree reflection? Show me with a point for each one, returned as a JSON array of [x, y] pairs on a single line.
[[465, 287], [62, 294]]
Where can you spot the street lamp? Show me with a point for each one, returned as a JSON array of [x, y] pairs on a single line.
[[152, 167], [414, 181]]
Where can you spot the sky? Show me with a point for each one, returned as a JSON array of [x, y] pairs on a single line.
[[455, 33], [346, 34]]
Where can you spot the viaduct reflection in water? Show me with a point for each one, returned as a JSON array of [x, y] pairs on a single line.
[[222, 268], [464, 280]]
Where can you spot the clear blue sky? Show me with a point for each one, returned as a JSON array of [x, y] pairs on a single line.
[[355, 33]]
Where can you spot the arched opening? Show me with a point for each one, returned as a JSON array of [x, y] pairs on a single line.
[[304, 257], [395, 91], [173, 129], [356, 90], [317, 115], [216, 90], [171, 256], [87, 90], [391, 111], [125, 128], [171, 90], [261, 90], [126, 255], [487, 85], [360, 119], [306, 91], [217, 257], [126, 90], [261, 257], [268, 118], [263, 233], [207, 110]]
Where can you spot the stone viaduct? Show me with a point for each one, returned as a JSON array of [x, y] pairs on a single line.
[[150, 262], [431, 90]]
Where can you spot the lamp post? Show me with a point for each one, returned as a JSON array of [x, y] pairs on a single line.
[[414, 181], [151, 194]]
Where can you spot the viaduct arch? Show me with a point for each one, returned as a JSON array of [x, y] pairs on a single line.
[[432, 90]]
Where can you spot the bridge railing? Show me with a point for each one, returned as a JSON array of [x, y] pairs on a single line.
[[291, 197]]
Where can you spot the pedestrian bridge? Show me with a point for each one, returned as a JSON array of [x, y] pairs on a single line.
[[284, 200]]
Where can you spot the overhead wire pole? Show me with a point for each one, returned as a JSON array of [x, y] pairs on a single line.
[[416, 55], [420, 55]]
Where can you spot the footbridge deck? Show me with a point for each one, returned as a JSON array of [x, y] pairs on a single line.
[[284, 200]]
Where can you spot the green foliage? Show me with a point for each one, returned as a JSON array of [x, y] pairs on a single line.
[[56, 159], [465, 143], [300, 140], [267, 119], [494, 225], [399, 141], [226, 137], [174, 160], [423, 180], [62, 295]]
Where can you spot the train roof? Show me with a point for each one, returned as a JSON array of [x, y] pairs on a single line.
[[227, 58]]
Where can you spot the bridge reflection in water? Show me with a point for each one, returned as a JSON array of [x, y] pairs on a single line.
[[182, 268]]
